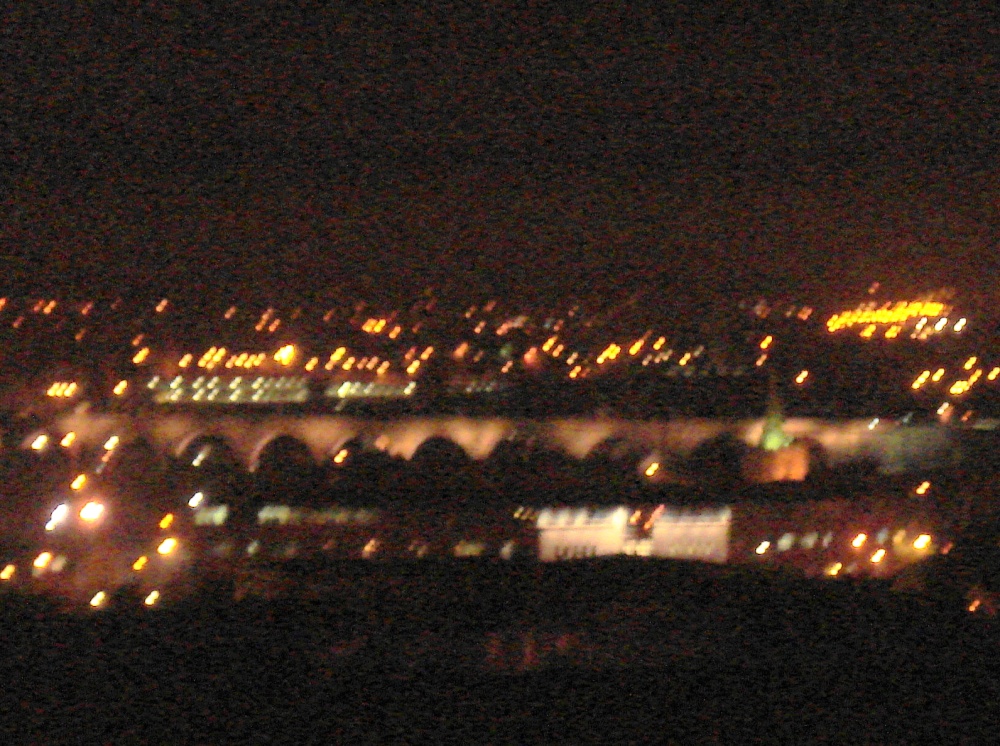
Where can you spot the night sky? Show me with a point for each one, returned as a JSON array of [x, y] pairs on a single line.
[[525, 149]]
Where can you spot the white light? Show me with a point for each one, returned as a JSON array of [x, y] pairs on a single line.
[[152, 598], [98, 599], [873, 424], [57, 517], [196, 499]]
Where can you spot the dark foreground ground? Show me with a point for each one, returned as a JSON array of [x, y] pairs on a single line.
[[605, 652]]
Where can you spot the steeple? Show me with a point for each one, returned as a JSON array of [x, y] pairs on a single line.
[[773, 437]]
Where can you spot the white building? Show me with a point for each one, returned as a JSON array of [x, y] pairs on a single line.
[[575, 533], [701, 535]]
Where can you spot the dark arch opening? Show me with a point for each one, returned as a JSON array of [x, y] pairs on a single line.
[[287, 473]]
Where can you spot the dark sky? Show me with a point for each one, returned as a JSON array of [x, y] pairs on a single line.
[[704, 148]]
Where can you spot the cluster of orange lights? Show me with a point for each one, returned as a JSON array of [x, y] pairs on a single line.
[[920, 543], [961, 385], [62, 389], [890, 314], [214, 356]]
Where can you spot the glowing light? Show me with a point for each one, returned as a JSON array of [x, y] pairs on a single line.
[[922, 488], [652, 469], [801, 377], [78, 482], [993, 374], [167, 546], [39, 443], [659, 343], [152, 598], [859, 541], [834, 569], [68, 439], [922, 542], [162, 305], [42, 560], [196, 499], [285, 355], [57, 517], [761, 360], [140, 563], [878, 556], [412, 367], [8, 572], [763, 547], [341, 456], [98, 599], [975, 605], [91, 511], [185, 361], [167, 520], [941, 324], [636, 347], [141, 356], [960, 325], [111, 443], [945, 406], [873, 424], [970, 362], [766, 342], [938, 375], [311, 365]]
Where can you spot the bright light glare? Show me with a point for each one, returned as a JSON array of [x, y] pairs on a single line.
[[859, 541], [652, 469], [763, 547], [42, 561], [8, 572], [167, 546], [68, 439], [167, 520], [111, 443], [878, 556], [834, 569], [39, 443], [152, 598], [922, 488], [140, 563], [922, 542], [91, 511], [77, 484], [98, 599], [57, 517], [196, 499]]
